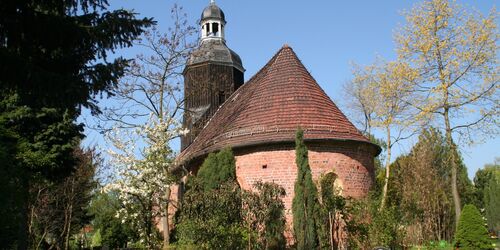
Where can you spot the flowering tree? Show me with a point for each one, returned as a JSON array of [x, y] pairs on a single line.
[[143, 180], [454, 51], [381, 91], [141, 123]]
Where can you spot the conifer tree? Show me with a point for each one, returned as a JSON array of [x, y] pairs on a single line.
[[492, 201], [305, 199], [471, 232], [217, 169]]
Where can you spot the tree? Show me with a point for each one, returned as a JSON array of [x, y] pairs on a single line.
[[359, 99], [41, 142], [481, 180], [152, 87], [53, 56], [305, 200], [143, 180], [387, 89], [264, 216], [211, 211], [153, 82], [471, 231], [419, 189], [492, 201], [331, 214], [60, 210], [217, 169], [57, 50], [113, 233], [454, 52]]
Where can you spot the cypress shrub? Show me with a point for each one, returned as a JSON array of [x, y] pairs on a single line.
[[305, 200], [217, 169], [471, 231]]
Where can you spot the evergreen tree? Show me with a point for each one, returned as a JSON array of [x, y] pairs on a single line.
[[217, 169], [210, 215], [52, 62], [471, 231], [305, 200], [421, 183], [492, 202]]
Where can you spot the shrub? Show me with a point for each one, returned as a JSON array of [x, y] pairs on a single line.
[[305, 200], [471, 231]]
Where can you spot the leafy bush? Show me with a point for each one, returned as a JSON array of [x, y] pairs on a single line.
[[210, 215], [264, 216]]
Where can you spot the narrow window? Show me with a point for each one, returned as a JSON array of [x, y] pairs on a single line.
[[222, 97], [215, 29]]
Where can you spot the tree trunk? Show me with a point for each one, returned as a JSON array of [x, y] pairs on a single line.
[[332, 235], [70, 214], [387, 169], [453, 163], [166, 226]]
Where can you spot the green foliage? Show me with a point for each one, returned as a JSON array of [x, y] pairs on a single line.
[[60, 210], [481, 180], [216, 214], [10, 181], [331, 213], [56, 65], [212, 218], [385, 228], [492, 201], [218, 168], [112, 232], [210, 215], [471, 231], [264, 216], [57, 60], [305, 200], [420, 189]]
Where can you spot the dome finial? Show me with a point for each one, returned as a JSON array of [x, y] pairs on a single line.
[[212, 1]]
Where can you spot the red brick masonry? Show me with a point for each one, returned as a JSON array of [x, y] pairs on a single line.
[[351, 162]]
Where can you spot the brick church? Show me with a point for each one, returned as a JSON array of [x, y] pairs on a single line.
[[258, 118]]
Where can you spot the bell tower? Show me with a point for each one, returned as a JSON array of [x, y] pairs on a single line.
[[212, 74]]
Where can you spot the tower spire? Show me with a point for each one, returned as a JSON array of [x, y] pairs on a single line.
[[212, 22]]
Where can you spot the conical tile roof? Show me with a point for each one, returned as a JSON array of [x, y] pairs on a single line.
[[270, 107]]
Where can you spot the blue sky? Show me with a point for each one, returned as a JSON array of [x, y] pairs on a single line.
[[327, 35]]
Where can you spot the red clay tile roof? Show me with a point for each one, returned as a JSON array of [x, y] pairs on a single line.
[[270, 107]]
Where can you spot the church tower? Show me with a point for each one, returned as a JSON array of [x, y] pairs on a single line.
[[212, 74]]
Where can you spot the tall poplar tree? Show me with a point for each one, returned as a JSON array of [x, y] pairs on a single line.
[[454, 51], [305, 200]]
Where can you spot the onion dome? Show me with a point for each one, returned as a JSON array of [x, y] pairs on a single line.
[[213, 12]]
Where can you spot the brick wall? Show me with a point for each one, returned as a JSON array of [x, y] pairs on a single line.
[[351, 162]]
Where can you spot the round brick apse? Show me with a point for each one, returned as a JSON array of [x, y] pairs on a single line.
[[351, 162]]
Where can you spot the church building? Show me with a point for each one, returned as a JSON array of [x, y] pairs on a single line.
[[258, 118]]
